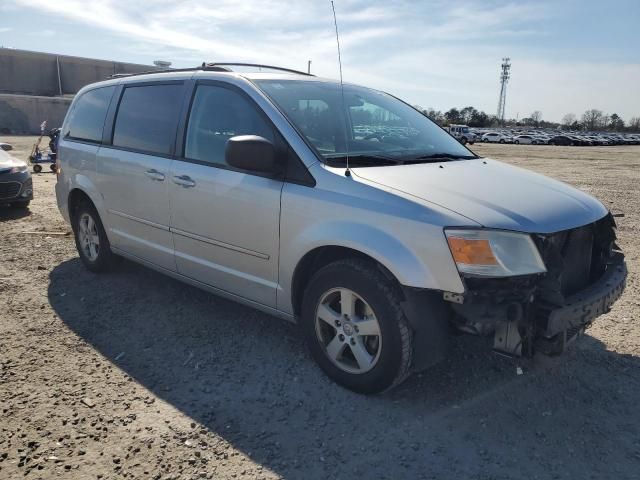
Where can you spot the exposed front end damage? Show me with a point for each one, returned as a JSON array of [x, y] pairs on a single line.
[[586, 274]]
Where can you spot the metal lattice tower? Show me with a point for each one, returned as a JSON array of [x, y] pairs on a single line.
[[505, 73]]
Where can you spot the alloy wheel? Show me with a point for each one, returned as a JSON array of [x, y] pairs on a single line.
[[88, 237], [348, 331]]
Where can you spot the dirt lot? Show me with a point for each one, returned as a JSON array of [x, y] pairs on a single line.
[[134, 375]]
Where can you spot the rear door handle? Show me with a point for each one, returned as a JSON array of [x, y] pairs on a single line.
[[184, 181], [153, 174]]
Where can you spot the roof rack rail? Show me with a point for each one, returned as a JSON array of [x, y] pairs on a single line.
[[257, 65], [210, 67], [204, 66]]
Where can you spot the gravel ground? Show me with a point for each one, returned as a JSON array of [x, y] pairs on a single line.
[[134, 375]]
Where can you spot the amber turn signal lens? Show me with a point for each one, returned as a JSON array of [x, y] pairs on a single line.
[[471, 252]]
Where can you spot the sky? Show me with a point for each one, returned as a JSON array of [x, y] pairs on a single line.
[[567, 55]]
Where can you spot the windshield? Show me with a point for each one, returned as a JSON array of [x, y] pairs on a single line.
[[374, 128]]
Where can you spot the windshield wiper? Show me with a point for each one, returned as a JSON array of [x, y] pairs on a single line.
[[373, 160], [364, 160], [436, 157]]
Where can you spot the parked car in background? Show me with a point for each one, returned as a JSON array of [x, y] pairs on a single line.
[[582, 140], [524, 139], [561, 140], [378, 236], [462, 133], [540, 139], [16, 187], [495, 137], [545, 136]]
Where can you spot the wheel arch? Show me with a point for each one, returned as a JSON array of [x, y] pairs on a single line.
[[76, 197], [319, 257], [401, 258]]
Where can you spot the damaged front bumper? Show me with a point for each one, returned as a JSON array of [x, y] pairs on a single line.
[[525, 320], [566, 321]]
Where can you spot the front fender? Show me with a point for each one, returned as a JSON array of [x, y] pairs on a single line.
[[406, 266]]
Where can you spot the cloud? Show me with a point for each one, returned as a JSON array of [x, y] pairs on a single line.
[[435, 53], [5, 29], [465, 22]]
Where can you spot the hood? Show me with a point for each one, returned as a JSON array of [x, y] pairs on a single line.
[[491, 193], [7, 162]]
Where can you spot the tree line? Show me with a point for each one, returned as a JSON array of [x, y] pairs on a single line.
[[591, 120]]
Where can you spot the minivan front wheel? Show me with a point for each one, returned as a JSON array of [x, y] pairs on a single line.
[[91, 239], [355, 328]]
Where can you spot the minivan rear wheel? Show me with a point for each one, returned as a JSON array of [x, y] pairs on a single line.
[[91, 239], [355, 328]]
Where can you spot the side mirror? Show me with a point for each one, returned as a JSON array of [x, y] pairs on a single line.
[[252, 153]]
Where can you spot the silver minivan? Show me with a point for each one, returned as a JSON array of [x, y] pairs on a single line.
[[343, 209]]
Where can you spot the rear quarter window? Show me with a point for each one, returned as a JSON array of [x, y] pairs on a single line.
[[86, 119]]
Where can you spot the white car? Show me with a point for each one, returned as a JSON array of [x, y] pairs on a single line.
[[524, 139], [495, 137]]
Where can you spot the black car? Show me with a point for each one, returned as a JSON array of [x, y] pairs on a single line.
[[581, 141], [561, 140], [16, 187]]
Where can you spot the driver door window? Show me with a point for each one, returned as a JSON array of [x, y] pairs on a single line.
[[217, 115]]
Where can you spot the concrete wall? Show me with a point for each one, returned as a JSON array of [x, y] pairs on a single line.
[[32, 85], [35, 73], [23, 114]]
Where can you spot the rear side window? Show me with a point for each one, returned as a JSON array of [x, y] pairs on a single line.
[[147, 118], [86, 119], [217, 115]]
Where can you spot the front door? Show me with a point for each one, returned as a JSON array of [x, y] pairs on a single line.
[[225, 222]]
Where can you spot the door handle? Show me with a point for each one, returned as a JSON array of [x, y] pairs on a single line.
[[153, 174], [184, 181]]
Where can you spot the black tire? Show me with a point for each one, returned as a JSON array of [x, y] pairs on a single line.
[[368, 282], [37, 168], [517, 142], [53, 167], [502, 140], [106, 259], [463, 140]]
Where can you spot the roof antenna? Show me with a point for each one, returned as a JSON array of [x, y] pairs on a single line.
[[347, 172]]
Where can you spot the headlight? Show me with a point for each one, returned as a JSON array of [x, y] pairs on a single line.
[[21, 169], [494, 253]]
